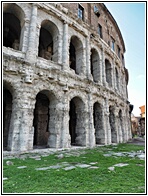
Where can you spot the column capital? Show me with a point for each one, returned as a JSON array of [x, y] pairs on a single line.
[[65, 22]]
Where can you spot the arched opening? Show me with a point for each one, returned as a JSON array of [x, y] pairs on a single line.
[[41, 119], [48, 41], [72, 122], [77, 122], [95, 65], [13, 18], [108, 72], [112, 125], [72, 52], [117, 78], [98, 123], [7, 111], [76, 54], [11, 31]]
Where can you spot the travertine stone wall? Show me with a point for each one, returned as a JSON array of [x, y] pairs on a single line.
[[49, 104]]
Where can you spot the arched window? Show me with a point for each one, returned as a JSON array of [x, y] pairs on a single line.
[[48, 41], [41, 120], [13, 16], [95, 65], [108, 72], [44, 120], [76, 54], [117, 78]]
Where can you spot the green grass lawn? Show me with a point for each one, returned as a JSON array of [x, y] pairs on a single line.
[[127, 179]]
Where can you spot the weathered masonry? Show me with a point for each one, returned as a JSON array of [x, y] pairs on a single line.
[[64, 76]]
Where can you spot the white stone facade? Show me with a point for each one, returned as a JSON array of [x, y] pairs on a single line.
[[73, 92]]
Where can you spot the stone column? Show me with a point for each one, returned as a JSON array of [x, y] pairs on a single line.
[[32, 50], [114, 75], [38, 28], [60, 40], [81, 126], [90, 123], [55, 125], [80, 63], [84, 59], [103, 68], [100, 69], [24, 35], [107, 124], [65, 136], [104, 139], [122, 85], [65, 57], [118, 127], [101, 134], [128, 124], [119, 74], [21, 128], [88, 71], [124, 88], [124, 128]]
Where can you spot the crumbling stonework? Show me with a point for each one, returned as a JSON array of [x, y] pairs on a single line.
[[64, 83]]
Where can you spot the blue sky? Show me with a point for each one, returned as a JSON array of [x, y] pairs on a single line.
[[131, 19]]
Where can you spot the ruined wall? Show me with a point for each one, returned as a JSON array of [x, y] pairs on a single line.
[[57, 91]]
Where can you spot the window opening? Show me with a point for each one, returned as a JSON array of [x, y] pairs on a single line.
[[11, 31], [72, 53], [81, 12], [100, 30], [96, 11], [108, 72]]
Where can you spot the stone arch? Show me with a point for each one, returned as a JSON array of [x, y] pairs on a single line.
[[108, 72], [44, 119], [76, 54], [98, 122], [112, 124], [48, 41], [77, 121], [95, 65], [117, 78], [13, 17]]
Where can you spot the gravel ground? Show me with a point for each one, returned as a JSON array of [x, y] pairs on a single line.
[[138, 141]]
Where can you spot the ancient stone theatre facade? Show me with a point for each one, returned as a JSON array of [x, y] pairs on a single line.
[[64, 76]]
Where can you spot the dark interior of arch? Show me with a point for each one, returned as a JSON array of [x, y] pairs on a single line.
[[97, 117], [45, 44], [72, 57], [41, 120], [94, 65], [108, 72], [72, 122], [7, 110], [11, 31]]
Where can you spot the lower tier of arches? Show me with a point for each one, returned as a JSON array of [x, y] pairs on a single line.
[[61, 123]]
